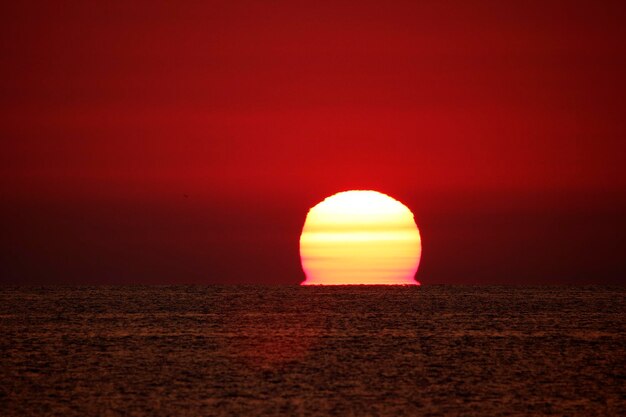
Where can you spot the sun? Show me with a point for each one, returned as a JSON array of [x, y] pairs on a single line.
[[360, 237]]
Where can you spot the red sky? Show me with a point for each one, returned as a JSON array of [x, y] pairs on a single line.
[[500, 124]]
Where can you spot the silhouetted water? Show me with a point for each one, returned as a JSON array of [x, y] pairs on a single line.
[[434, 350]]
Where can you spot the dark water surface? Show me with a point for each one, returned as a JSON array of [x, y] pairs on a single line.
[[354, 351]]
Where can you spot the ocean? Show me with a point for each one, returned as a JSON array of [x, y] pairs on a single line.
[[312, 351]]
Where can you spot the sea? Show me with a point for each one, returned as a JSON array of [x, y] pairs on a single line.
[[434, 350]]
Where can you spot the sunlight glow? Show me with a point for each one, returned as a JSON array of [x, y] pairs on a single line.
[[360, 237]]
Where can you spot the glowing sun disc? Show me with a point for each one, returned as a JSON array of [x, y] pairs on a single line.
[[360, 237]]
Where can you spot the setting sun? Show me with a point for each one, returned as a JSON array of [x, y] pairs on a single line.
[[360, 237]]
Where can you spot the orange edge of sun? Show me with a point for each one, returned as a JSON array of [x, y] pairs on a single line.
[[360, 237]]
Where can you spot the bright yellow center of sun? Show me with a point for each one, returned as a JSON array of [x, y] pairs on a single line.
[[360, 237]]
